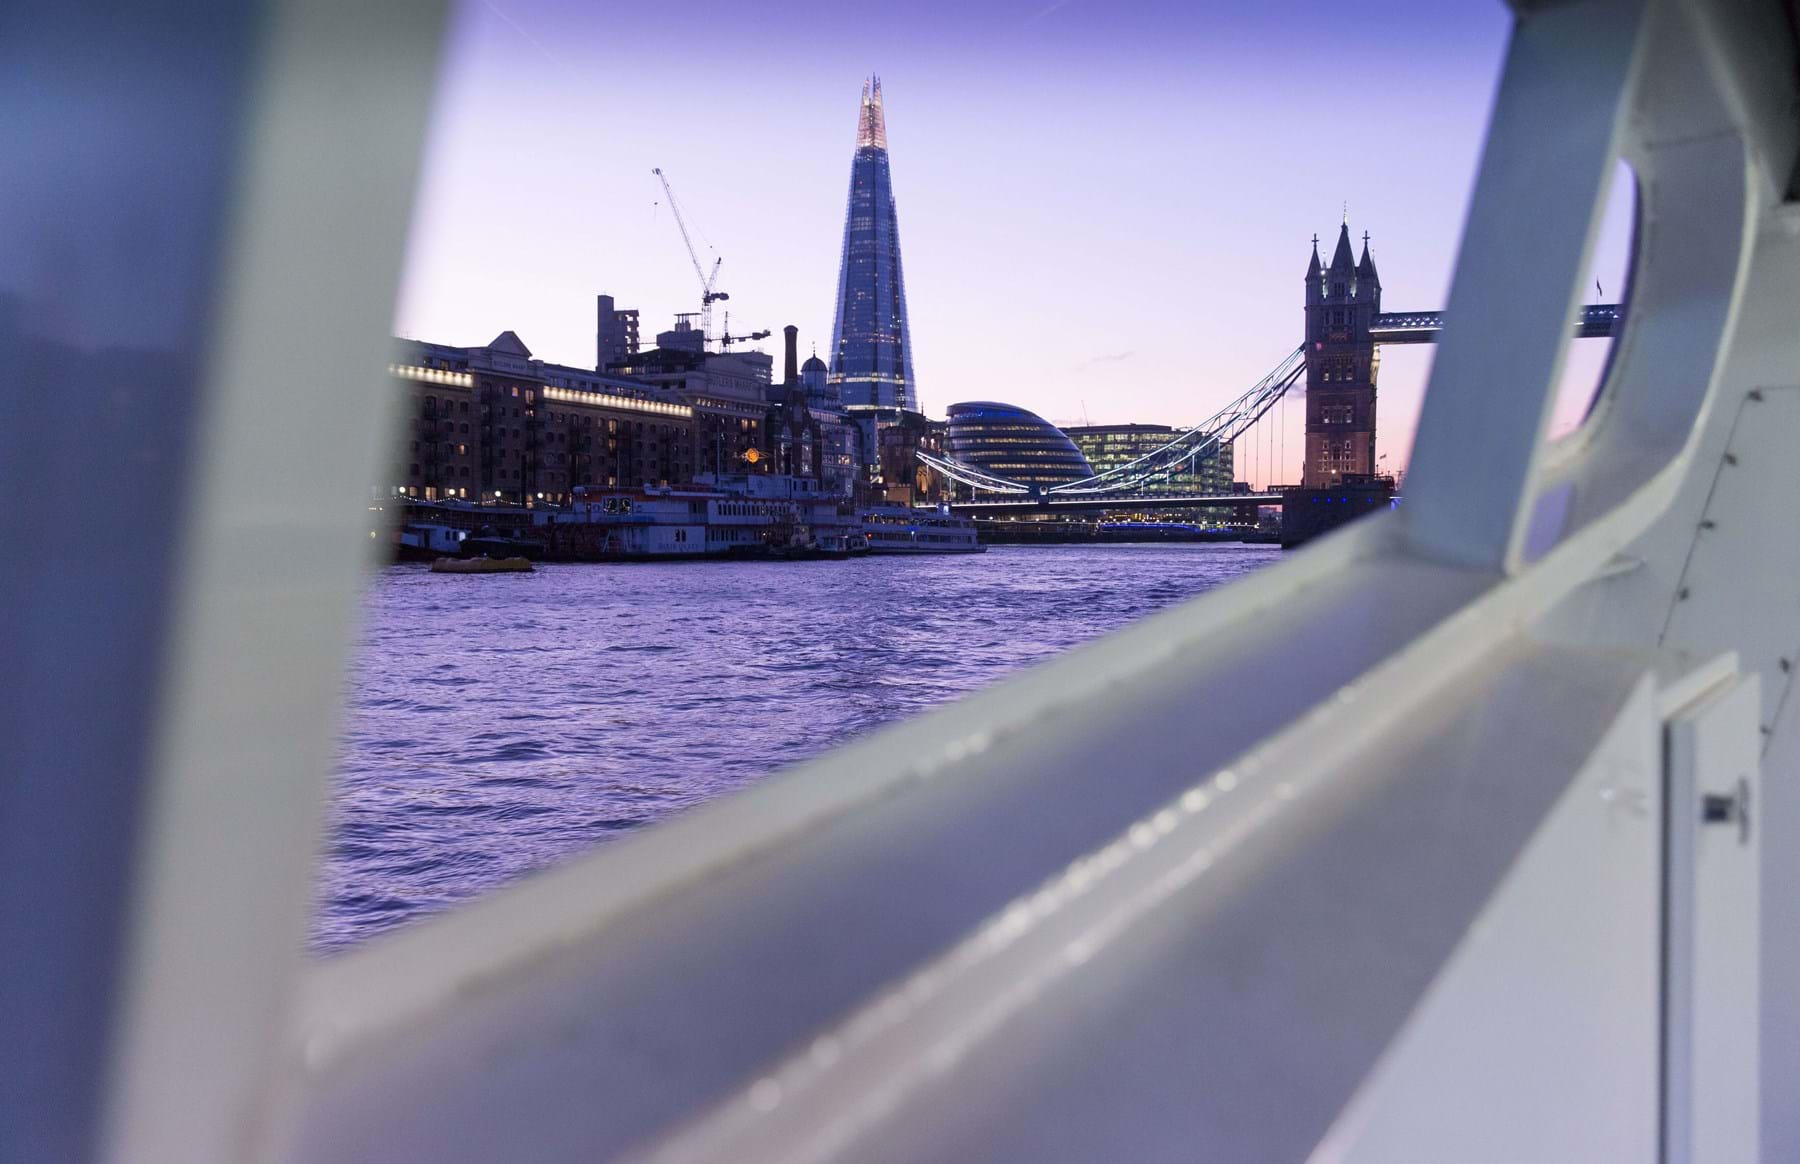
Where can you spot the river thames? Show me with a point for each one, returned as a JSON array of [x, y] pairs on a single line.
[[499, 723]]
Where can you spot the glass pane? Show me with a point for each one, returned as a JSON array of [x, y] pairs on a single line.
[[1608, 285]]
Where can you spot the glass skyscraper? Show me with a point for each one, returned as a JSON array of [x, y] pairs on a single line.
[[871, 341]]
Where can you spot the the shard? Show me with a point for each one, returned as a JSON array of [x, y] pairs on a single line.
[[871, 341]]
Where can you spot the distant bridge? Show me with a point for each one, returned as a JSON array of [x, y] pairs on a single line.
[[1116, 487], [1422, 327], [1056, 503]]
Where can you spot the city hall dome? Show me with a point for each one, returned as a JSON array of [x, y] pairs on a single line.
[[1014, 443]]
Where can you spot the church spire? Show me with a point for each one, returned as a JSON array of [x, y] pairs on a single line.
[[1313, 268]]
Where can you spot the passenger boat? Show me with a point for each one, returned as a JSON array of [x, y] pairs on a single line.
[[427, 541], [901, 529], [743, 516], [432, 529]]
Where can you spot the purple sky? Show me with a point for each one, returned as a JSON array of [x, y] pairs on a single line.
[[1104, 207]]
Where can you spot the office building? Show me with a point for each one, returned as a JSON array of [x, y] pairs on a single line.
[[1114, 446], [1117, 446], [616, 334], [871, 340], [1011, 442]]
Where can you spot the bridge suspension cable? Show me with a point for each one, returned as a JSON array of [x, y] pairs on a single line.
[[971, 476], [1222, 427]]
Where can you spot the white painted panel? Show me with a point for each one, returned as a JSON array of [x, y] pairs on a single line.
[[1539, 1040], [1740, 589], [1713, 973]]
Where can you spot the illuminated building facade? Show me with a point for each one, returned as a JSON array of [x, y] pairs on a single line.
[[728, 392], [871, 340], [491, 425], [1008, 441], [1113, 446]]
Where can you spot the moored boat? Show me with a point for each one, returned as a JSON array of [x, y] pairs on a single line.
[[482, 565], [762, 516], [900, 529]]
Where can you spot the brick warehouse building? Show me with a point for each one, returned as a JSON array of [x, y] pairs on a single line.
[[492, 424]]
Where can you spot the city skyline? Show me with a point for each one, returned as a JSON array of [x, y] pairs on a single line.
[[1103, 224]]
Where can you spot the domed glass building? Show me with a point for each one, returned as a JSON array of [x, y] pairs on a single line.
[[1009, 442]]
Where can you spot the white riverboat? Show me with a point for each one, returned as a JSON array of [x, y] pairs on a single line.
[[900, 529], [742, 516]]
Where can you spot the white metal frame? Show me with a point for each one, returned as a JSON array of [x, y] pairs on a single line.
[[1261, 877]]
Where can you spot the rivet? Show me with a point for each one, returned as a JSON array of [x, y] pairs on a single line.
[[1756, 393], [1731, 458], [1682, 595], [1709, 523], [1787, 665]]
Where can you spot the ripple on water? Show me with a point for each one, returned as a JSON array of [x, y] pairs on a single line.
[[521, 780], [622, 695]]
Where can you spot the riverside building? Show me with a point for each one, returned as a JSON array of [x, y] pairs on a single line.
[[492, 425], [1113, 446], [804, 428], [1014, 443], [615, 333], [727, 391], [841, 433]]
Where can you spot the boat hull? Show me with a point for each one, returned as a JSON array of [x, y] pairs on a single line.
[[481, 566]]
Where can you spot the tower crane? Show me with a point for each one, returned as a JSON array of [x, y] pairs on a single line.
[[707, 295], [726, 339]]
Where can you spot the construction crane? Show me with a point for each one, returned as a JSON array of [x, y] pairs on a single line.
[[707, 295], [726, 339]]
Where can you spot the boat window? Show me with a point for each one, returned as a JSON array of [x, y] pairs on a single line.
[[610, 688]]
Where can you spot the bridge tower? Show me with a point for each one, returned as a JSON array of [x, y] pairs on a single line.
[[1342, 301]]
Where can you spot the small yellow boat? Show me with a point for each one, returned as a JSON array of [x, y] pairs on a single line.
[[481, 565]]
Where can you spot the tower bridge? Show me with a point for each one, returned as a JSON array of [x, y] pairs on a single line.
[[1345, 325], [1094, 503], [1597, 321]]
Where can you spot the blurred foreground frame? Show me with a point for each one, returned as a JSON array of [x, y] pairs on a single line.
[[1441, 839]]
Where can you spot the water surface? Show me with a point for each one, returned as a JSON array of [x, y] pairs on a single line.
[[498, 723]]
